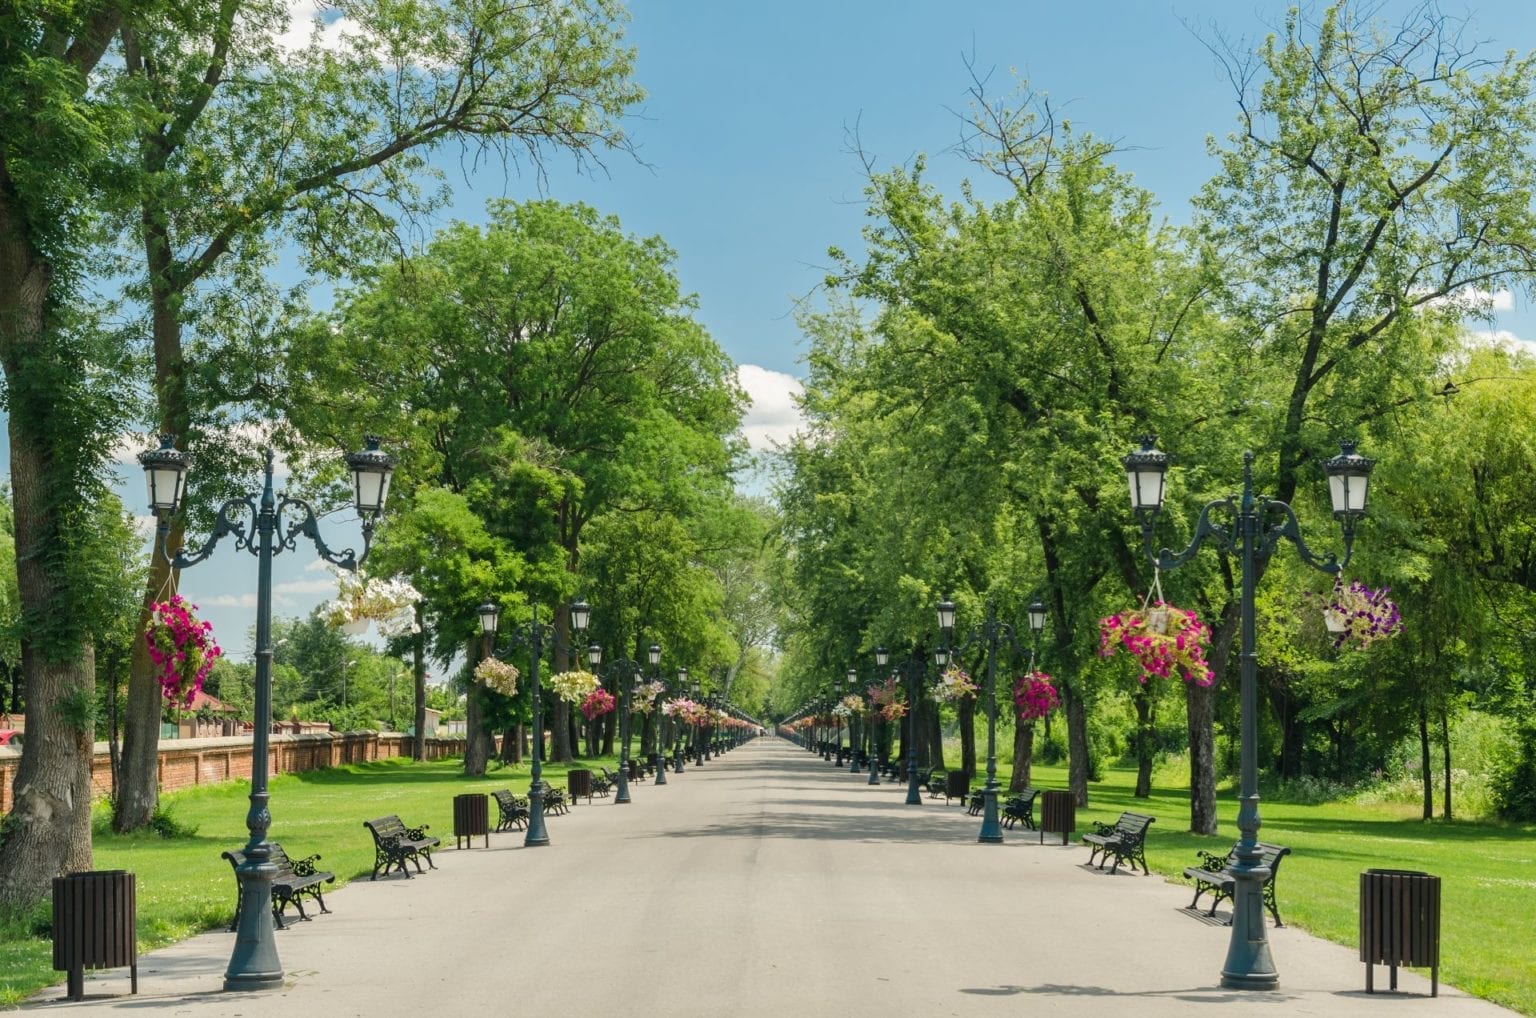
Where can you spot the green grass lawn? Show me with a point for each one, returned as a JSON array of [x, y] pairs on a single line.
[[184, 886], [1488, 870]]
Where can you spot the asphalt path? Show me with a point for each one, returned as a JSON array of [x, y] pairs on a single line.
[[766, 882]]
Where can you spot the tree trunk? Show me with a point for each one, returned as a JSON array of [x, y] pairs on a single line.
[[1201, 704], [140, 794], [48, 831], [419, 674], [475, 753], [1445, 752], [1023, 755], [935, 736], [966, 709], [1424, 764], [1144, 738], [1077, 745]]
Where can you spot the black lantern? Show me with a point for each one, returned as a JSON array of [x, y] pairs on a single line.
[[1037, 616], [882, 656], [1349, 478], [371, 470], [1146, 469], [946, 615], [490, 615], [165, 472]]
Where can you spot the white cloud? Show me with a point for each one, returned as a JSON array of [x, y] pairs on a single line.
[[227, 601], [302, 15], [1470, 299], [773, 417], [326, 587], [1501, 339]]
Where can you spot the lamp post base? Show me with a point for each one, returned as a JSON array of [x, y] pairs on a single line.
[[537, 835], [991, 829], [254, 964], [659, 768]]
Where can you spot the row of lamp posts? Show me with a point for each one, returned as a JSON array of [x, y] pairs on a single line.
[[266, 524], [1256, 526]]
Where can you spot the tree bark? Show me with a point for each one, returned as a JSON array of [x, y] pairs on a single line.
[[476, 754], [1445, 752], [419, 675], [48, 831], [1023, 755], [1200, 702], [1077, 746], [966, 709], [1144, 738], [1424, 764]]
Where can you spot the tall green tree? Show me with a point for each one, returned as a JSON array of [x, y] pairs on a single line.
[[242, 143], [1379, 185], [59, 117], [548, 337]]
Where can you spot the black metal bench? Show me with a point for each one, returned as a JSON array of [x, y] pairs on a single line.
[[555, 803], [1125, 840], [927, 780], [1214, 875], [603, 782], [395, 844], [514, 811], [294, 879], [1020, 809]]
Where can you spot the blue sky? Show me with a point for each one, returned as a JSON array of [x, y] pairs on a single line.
[[749, 176]]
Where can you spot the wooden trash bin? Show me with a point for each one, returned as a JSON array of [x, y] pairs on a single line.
[[1400, 923], [579, 783], [1058, 814], [471, 819], [95, 926]]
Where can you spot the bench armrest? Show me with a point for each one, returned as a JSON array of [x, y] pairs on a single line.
[[1103, 830], [417, 833], [1210, 862], [304, 867]]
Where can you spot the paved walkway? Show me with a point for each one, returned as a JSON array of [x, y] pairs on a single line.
[[767, 882]]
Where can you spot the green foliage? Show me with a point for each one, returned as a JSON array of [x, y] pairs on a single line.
[[1514, 782]]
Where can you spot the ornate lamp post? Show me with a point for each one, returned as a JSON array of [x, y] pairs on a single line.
[[264, 525], [658, 764], [626, 670], [990, 632], [696, 736], [853, 734], [913, 670], [882, 659], [1258, 523], [533, 635], [677, 736]]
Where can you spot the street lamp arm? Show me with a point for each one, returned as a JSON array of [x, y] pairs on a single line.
[[224, 525], [309, 526], [1290, 529], [1205, 529]]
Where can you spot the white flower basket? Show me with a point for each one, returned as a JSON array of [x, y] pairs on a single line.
[[355, 628], [1333, 620], [1157, 621]]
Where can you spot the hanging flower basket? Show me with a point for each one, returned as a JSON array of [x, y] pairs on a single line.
[[646, 696], [597, 703], [1358, 616], [181, 648], [1034, 697], [573, 687], [497, 676], [1178, 649], [954, 685], [885, 700], [361, 599], [855, 703]]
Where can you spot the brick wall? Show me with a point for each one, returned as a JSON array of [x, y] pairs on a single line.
[[188, 762]]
